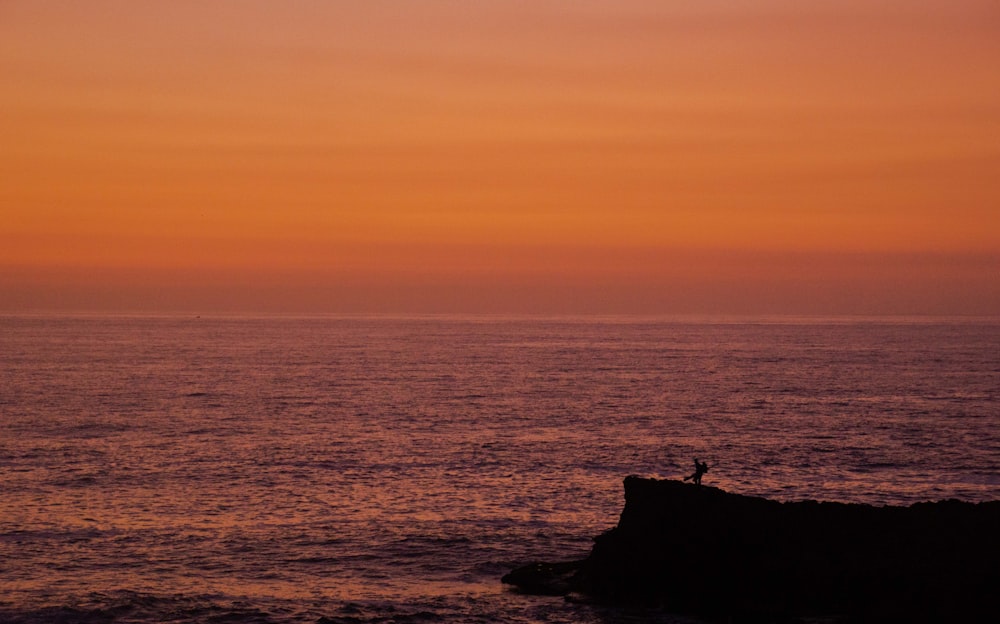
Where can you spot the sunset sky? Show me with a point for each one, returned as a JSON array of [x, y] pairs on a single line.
[[634, 156]]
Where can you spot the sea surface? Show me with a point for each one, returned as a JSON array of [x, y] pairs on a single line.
[[384, 469]]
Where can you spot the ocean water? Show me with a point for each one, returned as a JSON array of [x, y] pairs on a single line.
[[368, 469]]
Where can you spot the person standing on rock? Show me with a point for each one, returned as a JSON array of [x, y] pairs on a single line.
[[700, 468]]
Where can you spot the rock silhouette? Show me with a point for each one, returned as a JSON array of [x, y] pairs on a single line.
[[701, 550]]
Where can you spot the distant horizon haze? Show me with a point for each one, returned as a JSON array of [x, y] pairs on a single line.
[[875, 285]]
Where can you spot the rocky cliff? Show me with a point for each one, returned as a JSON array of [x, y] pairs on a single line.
[[698, 549]]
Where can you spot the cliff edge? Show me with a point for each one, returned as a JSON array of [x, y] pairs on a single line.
[[700, 550]]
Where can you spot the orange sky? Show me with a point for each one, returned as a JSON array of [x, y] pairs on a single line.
[[737, 156]]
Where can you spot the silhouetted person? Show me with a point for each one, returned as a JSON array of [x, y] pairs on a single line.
[[700, 468]]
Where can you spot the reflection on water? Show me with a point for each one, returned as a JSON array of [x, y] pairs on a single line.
[[293, 469]]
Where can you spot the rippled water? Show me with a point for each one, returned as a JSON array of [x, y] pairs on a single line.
[[391, 469]]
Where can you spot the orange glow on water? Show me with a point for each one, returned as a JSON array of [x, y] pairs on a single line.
[[502, 150]]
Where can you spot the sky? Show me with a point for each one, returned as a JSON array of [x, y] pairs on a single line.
[[572, 157]]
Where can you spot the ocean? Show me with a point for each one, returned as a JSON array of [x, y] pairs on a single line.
[[391, 469]]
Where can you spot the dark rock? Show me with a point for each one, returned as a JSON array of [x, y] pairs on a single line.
[[698, 549], [544, 579]]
